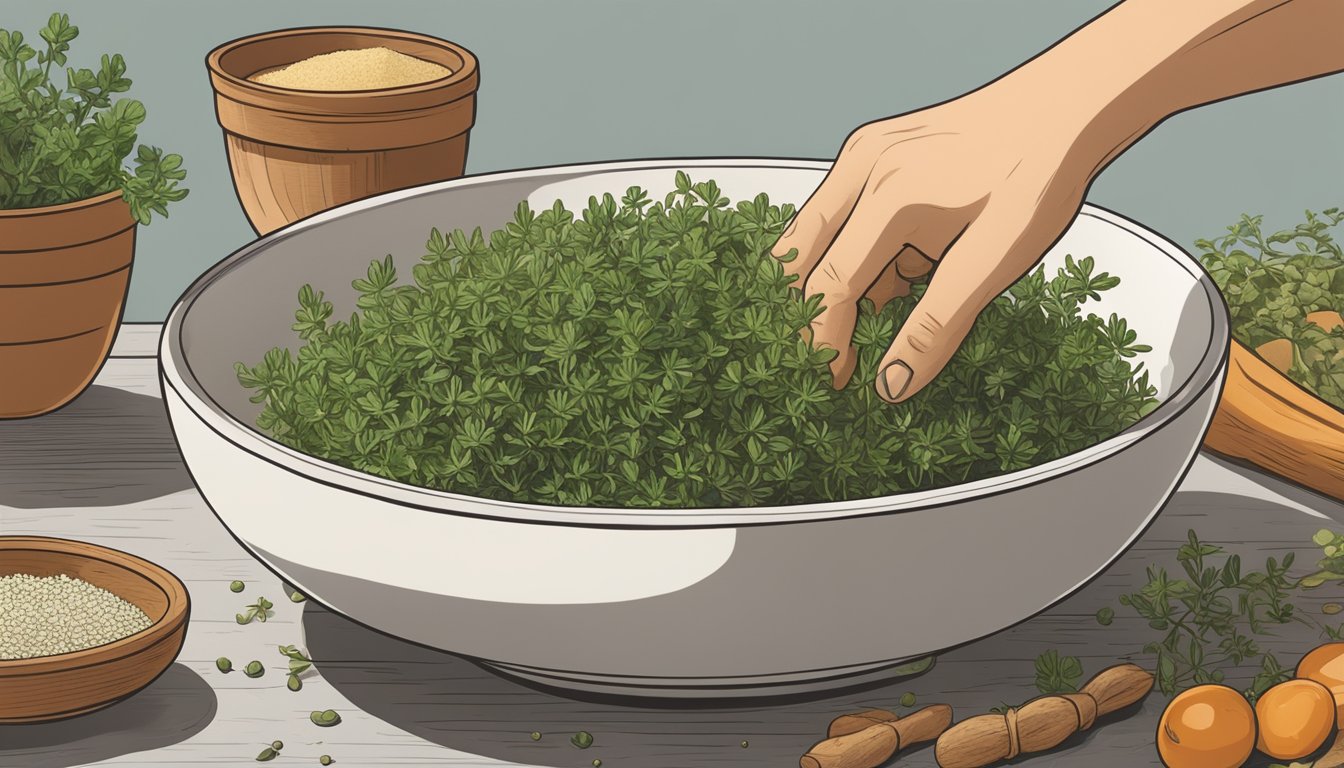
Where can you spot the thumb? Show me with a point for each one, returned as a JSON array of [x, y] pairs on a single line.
[[991, 254]]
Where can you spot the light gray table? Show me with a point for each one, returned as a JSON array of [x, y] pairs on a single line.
[[106, 470]]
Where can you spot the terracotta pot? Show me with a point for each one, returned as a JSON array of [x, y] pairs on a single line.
[[64, 271], [294, 153]]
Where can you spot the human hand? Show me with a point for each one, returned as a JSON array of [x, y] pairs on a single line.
[[983, 185], [975, 186]]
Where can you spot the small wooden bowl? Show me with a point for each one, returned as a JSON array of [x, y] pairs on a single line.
[[294, 153], [68, 684]]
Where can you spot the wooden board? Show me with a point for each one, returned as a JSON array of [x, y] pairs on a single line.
[[105, 470]]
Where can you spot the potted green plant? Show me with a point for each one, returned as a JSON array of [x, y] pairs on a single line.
[[69, 207]]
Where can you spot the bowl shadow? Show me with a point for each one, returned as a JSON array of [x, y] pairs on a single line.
[[170, 710], [454, 702], [108, 447], [451, 701]]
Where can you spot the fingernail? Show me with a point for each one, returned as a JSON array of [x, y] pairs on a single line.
[[895, 378]]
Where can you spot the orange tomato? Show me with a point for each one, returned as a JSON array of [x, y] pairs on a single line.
[[1208, 726], [1325, 665], [1295, 717]]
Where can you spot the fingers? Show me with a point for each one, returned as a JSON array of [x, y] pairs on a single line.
[[890, 285], [817, 223], [990, 255], [860, 253]]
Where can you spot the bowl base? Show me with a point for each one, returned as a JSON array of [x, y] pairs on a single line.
[[801, 683]]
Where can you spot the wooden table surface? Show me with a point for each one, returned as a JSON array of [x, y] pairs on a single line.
[[106, 470]]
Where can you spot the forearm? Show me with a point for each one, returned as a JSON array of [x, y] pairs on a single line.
[[1146, 60]]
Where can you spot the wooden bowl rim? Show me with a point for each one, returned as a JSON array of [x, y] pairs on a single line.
[[466, 72], [162, 629], [73, 205]]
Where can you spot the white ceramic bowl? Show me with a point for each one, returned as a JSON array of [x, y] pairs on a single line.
[[665, 602]]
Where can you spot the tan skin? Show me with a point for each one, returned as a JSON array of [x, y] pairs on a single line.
[[984, 184]]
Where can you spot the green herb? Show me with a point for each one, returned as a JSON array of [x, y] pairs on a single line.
[[267, 754], [277, 745], [745, 744], [597, 763], [298, 664], [236, 586], [1057, 674], [224, 665], [297, 597], [582, 739], [1273, 281], [254, 669], [1105, 616], [326, 718], [648, 354], [1331, 566], [536, 736], [1330, 609], [1209, 617], [908, 699], [325, 760], [259, 610], [61, 143]]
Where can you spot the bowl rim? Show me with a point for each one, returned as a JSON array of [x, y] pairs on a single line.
[[176, 375], [161, 630], [215, 64]]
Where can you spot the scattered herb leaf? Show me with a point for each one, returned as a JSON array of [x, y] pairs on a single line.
[[1105, 616], [1058, 674], [224, 665], [266, 755], [254, 669], [325, 718], [237, 586], [582, 739], [908, 699]]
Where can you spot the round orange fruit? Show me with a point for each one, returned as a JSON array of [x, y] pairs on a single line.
[[1295, 717], [1325, 665], [1208, 726]]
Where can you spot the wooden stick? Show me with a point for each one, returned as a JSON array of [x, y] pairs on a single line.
[[1267, 419], [1042, 723], [857, 721], [878, 743]]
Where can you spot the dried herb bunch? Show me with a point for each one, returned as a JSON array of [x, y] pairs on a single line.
[[648, 354], [1272, 281]]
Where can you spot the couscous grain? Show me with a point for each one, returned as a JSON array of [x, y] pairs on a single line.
[[359, 69], [49, 615]]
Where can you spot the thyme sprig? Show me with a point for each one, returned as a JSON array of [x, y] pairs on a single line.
[[648, 354]]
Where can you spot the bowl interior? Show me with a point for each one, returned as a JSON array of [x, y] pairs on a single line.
[[1165, 296], [267, 53]]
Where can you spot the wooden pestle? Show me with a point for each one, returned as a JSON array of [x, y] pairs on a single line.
[[1267, 419], [877, 743], [1042, 723], [857, 721]]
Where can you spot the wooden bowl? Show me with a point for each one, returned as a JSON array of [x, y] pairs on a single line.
[[55, 687], [294, 153]]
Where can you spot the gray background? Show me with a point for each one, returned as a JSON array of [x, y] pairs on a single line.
[[570, 81]]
